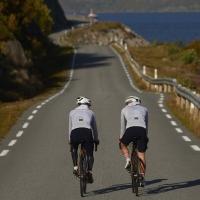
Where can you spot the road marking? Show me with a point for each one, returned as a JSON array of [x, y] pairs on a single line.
[[25, 125], [168, 116], [161, 105], [164, 110], [123, 65], [12, 143], [160, 101], [30, 117], [179, 130], [187, 139], [19, 134], [35, 111], [39, 107], [43, 103], [173, 123], [195, 147], [4, 152]]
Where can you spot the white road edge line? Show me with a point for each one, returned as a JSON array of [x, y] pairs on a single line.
[[168, 116], [164, 110], [25, 125], [19, 134], [173, 123], [39, 107], [4, 152], [130, 80], [187, 139], [34, 112], [179, 130], [12, 143], [195, 147], [30, 117], [160, 105]]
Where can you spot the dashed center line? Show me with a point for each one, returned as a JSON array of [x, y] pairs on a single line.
[[19, 134], [164, 110], [195, 147], [179, 130], [25, 125], [168, 116], [161, 105], [187, 139], [39, 106], [4, 152], [35, 111], [173, 123], [30, 117], [12, 143]]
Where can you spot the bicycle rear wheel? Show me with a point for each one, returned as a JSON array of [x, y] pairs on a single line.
[[135, 174], [81, 176]]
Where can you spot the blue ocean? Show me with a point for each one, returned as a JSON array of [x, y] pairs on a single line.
[[163, 27]]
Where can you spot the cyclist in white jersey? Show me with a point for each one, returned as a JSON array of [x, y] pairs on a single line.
[[134, 122], [82, 124]]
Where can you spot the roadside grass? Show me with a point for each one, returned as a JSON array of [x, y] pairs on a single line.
[[171, 61], [184, 116], [168, 66], [53, 71]]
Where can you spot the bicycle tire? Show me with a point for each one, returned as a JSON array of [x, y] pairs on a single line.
[[135, 174], [81, 176]]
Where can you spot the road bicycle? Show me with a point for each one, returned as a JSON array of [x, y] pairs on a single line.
[[135, 166], [82, 168]]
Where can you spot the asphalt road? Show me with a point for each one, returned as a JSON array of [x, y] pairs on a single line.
[[35, 162]]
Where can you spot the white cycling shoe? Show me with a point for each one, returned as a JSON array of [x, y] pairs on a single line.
[[128, 165]]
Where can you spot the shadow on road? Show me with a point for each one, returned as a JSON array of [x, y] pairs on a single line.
[[119, 187], [170, 187]]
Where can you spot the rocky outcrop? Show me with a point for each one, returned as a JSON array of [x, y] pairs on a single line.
[[123, 34]]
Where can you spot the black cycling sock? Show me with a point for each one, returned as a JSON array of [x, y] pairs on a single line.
[[74, 156], [90, 158]]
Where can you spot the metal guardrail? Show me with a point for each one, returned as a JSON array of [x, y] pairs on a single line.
[[183, 93]]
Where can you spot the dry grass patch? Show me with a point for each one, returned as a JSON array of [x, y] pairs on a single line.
[[184, 116], [53, 75]]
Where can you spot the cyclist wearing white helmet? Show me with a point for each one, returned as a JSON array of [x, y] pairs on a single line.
[[82, 124], [134, 122]]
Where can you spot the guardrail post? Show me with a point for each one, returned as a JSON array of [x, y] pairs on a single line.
[[196, 112], [72, 28], [187, 104], [159, 88], [115, 38], [178, 100], [182, 102], [125, 46], [144, 69], [121, 41], [169, 89], [165, 88], [155, 73]]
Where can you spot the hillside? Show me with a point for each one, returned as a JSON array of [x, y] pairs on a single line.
[[83, 6]]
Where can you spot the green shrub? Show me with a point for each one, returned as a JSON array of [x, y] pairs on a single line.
[[189, 56], [173, 49]]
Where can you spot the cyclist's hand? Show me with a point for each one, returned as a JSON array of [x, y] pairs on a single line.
[[97, 142], [69, 142]]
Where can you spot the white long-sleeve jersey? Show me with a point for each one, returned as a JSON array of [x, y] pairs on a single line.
[[83, 117], [133, 115]]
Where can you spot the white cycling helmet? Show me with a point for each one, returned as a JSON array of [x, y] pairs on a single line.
[[133, 99], [83, 100]]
